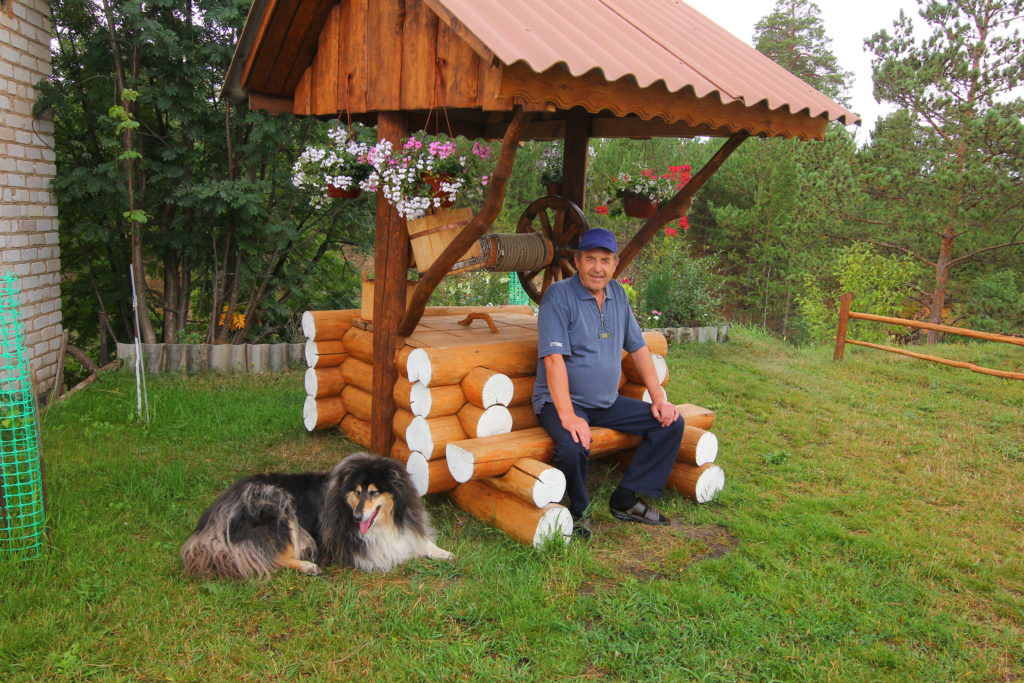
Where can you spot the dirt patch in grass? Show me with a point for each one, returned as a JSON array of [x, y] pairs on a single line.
[[652, 552]]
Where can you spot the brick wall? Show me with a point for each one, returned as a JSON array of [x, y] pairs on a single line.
[[28, 211]]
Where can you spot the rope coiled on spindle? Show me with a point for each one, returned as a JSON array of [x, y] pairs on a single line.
[[516, 253]]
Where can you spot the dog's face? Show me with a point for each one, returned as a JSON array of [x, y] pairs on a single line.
[[370, 505], [376, 490]]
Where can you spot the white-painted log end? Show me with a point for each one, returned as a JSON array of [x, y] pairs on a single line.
[[308, 325], [660, 367], [309, 415], [707, 448], [710, 483], [420, 399], [495, 420], [309, 380], [419, 472], [550, 487], [417, 367], [460, 463], [311, 354], [418, 436], [497, 390], [556, 523]]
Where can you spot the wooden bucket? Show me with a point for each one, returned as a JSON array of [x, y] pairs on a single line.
[[430, 235], [366, 307]]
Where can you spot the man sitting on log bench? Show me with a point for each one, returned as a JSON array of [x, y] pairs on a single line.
[[584, 324]]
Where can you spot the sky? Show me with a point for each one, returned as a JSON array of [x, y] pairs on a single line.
[[847, 24]]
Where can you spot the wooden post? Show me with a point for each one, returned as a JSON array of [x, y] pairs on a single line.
[[391, 250], [574, 156], [844, 319]]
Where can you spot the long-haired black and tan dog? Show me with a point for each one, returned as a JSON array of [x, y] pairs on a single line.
[[364, 513]]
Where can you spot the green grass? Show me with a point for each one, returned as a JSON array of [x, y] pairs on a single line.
[[872, 528]]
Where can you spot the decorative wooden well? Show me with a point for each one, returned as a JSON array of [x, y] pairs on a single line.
[[515, 70]]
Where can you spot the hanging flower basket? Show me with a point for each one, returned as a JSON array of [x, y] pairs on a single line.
[[342, 193], [638, 206], [434, 180]]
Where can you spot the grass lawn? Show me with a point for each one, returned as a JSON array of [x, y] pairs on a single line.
[[872, 528]]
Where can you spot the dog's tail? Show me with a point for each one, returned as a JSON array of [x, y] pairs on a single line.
[[243, 533]]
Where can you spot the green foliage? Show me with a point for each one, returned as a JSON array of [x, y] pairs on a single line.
[[676, 289], [945, 171], [995, 302], [794, 37], [476, 288], [879, 284], [214, 207]]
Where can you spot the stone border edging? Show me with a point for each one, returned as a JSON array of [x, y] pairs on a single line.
[[229, 358], [699, 335]]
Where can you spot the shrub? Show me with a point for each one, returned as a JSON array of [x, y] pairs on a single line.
[[677, 289], [879, 284]]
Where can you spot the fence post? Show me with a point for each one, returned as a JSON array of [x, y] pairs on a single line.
[[844, 317]]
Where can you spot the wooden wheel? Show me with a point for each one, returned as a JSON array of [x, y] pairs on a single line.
[[561, 222]]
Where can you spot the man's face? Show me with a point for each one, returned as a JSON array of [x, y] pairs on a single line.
[[595, 268]]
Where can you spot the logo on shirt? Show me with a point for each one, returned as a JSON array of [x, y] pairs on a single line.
[[558, 344]]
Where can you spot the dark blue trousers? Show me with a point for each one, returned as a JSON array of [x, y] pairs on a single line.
[[649, 470]]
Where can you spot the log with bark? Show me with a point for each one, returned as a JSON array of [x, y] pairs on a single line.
[[357, 430], [533, 481], [522, 521], [429, 476], [322, 413], [427, 401], [430, 435], [451, 364], [321, 325], [478, 422], [485, 388], [493, 455], [324, 382], [325, 354], [701, 484]]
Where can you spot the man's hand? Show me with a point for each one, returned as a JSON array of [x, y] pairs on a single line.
[[664, 412], [579, 429]]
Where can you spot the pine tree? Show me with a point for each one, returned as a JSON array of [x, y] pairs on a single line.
[[793, 36], [946, 170]]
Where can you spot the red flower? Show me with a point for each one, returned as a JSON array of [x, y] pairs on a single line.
[[649, 173], [684, 223], [671, 232], [603, 209]]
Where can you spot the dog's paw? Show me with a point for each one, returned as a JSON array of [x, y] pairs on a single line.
[[441, 554], [310, 569]]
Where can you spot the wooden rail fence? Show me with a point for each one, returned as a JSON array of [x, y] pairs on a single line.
[[841, 340]]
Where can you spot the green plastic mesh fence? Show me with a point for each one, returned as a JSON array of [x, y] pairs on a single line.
[[517, 296], [22, 517]]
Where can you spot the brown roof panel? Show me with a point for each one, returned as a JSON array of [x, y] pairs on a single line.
[[648, 40]]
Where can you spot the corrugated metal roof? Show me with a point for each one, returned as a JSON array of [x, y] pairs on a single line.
[[650, 40]]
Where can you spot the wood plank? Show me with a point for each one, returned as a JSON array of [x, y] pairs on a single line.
[[352, 56], [325, 94], [391, 248], [460, 71], [268, 13], [303, 93], [264, 54], [419, 50], [384, 61], [299, 45]]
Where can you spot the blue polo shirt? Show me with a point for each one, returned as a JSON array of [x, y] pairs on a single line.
[[571, 324]]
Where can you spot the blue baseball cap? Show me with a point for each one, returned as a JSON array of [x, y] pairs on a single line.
[[598, 238]]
